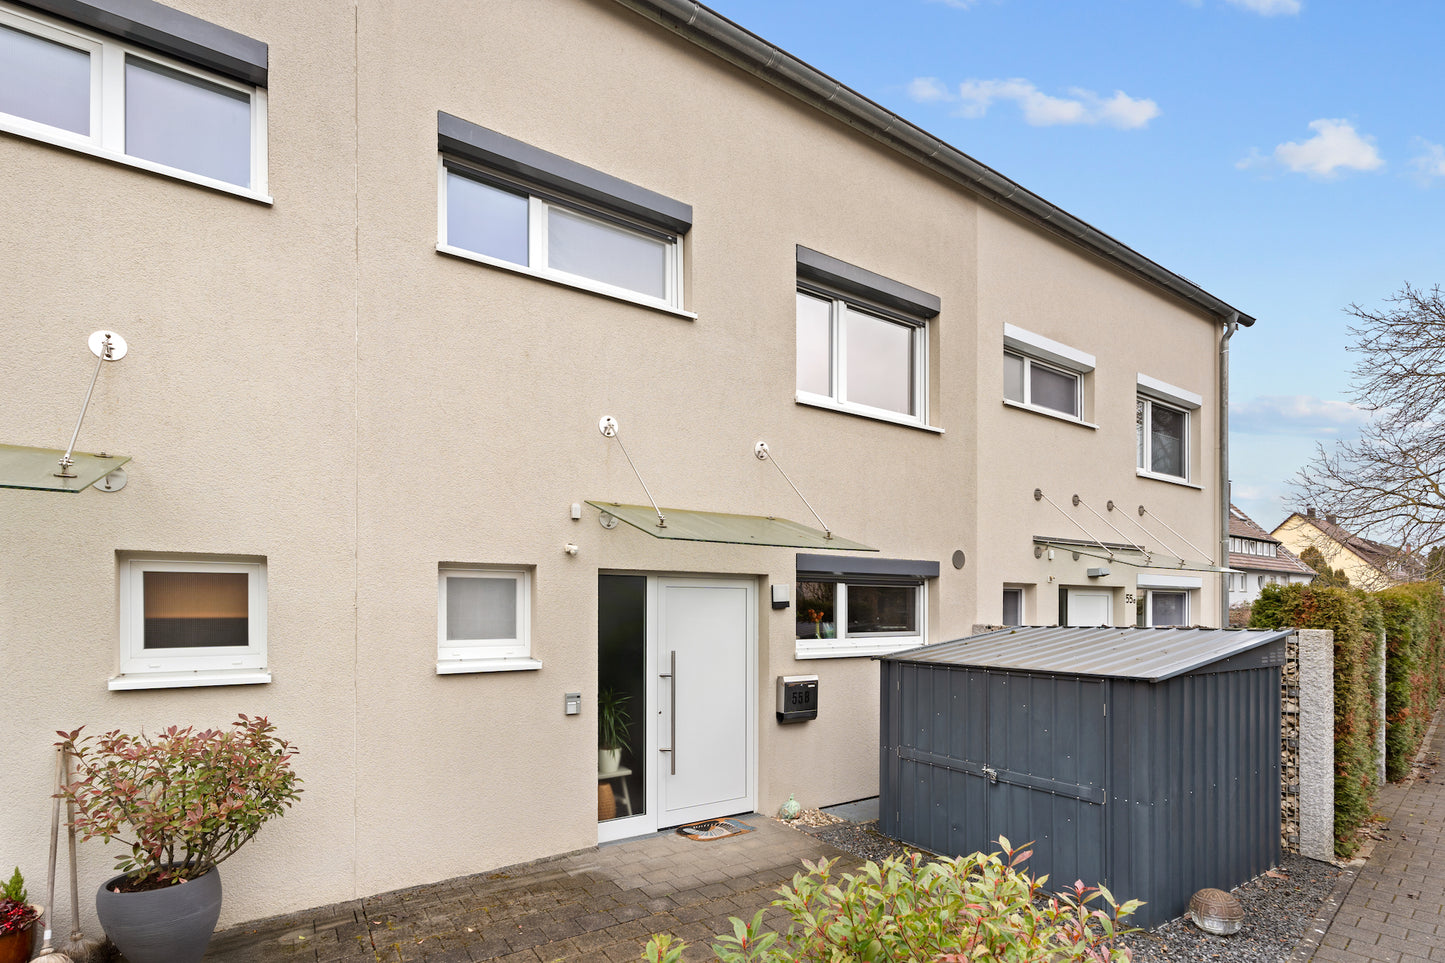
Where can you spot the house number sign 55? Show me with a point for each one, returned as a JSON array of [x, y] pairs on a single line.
[[1129, 598]]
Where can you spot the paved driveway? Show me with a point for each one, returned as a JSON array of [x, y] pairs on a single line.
[[597, 904]]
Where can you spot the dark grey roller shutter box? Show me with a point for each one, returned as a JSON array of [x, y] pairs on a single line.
[[1143, 759]]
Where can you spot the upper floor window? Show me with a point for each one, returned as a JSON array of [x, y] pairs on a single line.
[[508, 204], [1162, 416], [862, 341], [1044, 375], [198, 115]]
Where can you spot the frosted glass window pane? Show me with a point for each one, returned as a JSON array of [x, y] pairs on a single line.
[[603, 252], [44, 81], [815, 345], [1013, 607], [1166, 440], [880, 363], [486, 220], [185, 610], [1013, 378], [1169, 608], [1053, 389], [481, 608], [182, 121]]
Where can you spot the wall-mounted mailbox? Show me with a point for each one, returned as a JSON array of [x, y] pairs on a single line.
[[797, 698]]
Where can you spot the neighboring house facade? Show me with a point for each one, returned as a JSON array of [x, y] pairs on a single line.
[[1259, 559], [1369, 564], [384, 275]]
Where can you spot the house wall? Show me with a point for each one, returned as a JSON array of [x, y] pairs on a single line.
[[311, 382], [1297, 535]]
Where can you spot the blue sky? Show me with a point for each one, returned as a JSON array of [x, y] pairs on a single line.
[[1286, 155]]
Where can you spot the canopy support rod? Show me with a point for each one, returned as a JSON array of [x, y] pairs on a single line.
[[763, 454], [1136, 546], [1040, 496], [107, 346], [608, 427], [1180, 555]]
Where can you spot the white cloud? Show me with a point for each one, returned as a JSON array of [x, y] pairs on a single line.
[[1335, 146], [1268, 8], [927, 90], [1296, 415], [1429, 163], [974, 97]]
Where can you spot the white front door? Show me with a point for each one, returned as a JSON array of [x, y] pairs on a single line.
[[1090, 608], [706, 698]]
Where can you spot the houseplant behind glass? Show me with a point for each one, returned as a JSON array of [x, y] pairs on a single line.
[[182, 802], [613, 718], [17, 921]]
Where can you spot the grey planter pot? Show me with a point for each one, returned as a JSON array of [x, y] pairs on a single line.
[[171, 925]]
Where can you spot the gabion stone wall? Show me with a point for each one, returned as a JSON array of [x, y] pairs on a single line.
[[1289, 733]]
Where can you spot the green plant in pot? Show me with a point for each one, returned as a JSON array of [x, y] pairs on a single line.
[[613, 719], [17, 921], [182, 802]]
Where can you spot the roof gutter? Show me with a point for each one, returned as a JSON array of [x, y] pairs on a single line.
[[713, 32]]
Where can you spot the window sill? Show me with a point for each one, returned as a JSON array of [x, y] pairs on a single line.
[[873, 414], [465, 666], [1168, 479], [1050, 413], [567, 281], [853, 650], [184, 680], [125, 160]]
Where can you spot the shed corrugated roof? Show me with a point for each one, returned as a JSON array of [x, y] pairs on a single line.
[[1152, 655]]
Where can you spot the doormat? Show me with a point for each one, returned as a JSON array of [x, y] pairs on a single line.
[[710, 829]]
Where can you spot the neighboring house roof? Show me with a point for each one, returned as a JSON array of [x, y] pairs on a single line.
[[1286, 562], [1388, 560], [714, 32]]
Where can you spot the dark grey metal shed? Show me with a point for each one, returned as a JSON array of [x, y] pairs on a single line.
[[1143, 759]]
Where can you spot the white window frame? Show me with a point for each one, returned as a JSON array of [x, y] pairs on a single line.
[[1149, 604], [458, 656], [837, 397], [107, 103], [140, 668], [539, 201], [1060, 358], [872, 644], [1152, 391]]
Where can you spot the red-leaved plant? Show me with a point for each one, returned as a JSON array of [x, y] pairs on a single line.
[[184, 800], [16, 915]]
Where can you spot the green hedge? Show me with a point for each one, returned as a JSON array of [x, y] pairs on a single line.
[[1414, 618], [1356, 620]]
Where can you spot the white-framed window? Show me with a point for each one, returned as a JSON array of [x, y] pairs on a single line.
[[1044, 375], [189, 622], [1162, 416], [1166, 608], [503, 202], [1013, 607], [862, 341], [860, 360], [837, 619], [91, 92], [512, 224], [484, 618]]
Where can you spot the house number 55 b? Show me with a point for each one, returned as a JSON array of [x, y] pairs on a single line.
[[1129, 598]]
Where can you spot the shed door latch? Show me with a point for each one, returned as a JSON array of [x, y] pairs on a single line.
[[992, 774]]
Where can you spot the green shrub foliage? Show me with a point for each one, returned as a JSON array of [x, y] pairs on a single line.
[[1356, 620], [1414, 618], [948, 910]]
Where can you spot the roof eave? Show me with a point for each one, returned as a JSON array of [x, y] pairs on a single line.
[[711, 31]]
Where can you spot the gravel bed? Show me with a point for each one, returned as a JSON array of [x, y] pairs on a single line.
[[1278, 907]]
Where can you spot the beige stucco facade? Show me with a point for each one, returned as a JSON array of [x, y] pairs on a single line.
[[311, 383]]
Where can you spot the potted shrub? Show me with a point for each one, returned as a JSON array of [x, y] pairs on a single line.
[[17, 921], [613, 718], [182, 802]]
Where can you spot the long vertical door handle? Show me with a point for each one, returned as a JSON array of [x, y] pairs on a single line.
[[671, 676]]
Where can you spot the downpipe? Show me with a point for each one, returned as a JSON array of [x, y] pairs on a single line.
[[1231, 325]]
